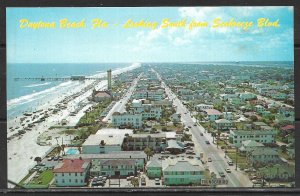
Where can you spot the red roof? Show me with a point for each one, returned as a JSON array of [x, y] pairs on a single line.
[[288, 127], [102, 94], [71, 166], [212, 112]]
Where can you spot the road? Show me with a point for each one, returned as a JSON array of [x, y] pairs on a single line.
[[219, 162], [120, 105], [269, 100]]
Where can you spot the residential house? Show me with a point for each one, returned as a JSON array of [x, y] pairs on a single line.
[[154, 168], [175, 117], [279, 96], [259, 109], [263, 156], [70, 173], [212, 114], [99, 96], [156, 142], [277, 172], [223, 124], [247, 96], [228, 115], [182, 173], [249, 145]]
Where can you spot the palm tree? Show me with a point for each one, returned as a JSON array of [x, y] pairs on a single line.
[[63, 148], [148, 152], [213, 134]]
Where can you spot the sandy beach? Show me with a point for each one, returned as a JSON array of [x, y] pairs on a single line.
[[21, 150]]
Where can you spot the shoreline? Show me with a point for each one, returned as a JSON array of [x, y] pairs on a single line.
[[22, 150]]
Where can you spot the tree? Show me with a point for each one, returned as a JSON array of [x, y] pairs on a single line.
[[38, 160], [283, 148], [102, 143], [148, 152], [63, 148], [254, 118], [213, 134]]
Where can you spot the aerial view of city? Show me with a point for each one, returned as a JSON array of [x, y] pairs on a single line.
[[202, 108]]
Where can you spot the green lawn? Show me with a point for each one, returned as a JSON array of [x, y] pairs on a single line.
[[241, 161], [44, 178]]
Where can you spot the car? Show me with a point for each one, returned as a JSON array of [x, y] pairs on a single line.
[[228, 170], [190, 152], [49, 159], [60, 158], [222, 174], [195, 124], [207, 142], [230, 163], [190, 157], [189, 127], [201, 134], [143, 181], [157, 182], [55, 158], [209, 159]]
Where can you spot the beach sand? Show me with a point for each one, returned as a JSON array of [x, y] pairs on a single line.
[[21, 152]]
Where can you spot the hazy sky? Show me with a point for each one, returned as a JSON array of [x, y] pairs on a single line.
[[116, 44]]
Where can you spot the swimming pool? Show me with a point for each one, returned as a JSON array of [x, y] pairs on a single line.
[[72, 151]]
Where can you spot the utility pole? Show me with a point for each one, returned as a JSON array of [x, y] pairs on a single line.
[[236, 158]]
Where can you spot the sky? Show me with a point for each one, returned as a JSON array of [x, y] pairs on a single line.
[[117, 44]]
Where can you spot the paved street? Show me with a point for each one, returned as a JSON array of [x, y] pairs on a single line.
[[219, 163], [120, 105]]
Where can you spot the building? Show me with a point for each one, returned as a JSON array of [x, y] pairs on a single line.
[[109, 78], [259, 109], [153, 95], [249, 145], [174, 146], [263, 156], [99, 96], [277, 172], [154, 168], [223, 124], [147, 110], [105, 141], [202, 107], [71, 172], [126, 119], [229, 90], [182, 173], [175, 117], [156, 142], [236, 137], [113, 167], [138, 156], [212, 114], [247, 96]]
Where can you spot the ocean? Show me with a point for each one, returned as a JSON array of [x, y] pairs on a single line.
[[26, 95]]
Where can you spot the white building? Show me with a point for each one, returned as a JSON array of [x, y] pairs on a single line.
[[126, 119], [147, 110], [236, 137], [71, 172], [213, 114], [202, 107], [105, 141]]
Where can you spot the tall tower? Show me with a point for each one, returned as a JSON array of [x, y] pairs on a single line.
[[109, 80]]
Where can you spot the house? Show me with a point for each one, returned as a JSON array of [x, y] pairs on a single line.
[[174, 146], [71, 172], [146, 109], [113, 167], [182, 173], [202, 107], [236, 137], [247, 96], [287, 111], [258, 125], [263, 156], [154, 168], [249, 145], [105, 141], [228, 115], [126, 119], [223, 124], [229, 90], [277, 172], [259, 108], [279, 96], [212, 114], [235, 101]]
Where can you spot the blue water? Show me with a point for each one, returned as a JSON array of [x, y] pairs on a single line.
[[72, 151], [26, 95]]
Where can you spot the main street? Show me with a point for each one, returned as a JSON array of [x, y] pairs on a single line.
[[219, 162], [120, 105]]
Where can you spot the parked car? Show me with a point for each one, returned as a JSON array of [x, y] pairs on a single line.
[[143, 181], [55, 158], [49, 158], [207, 142], [209, 159], [157, 182], [228, 170], [201, 134], [230, 163]]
